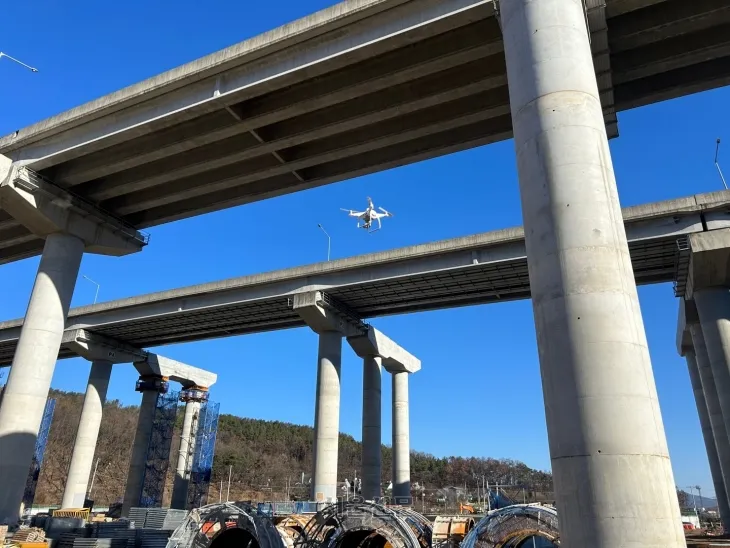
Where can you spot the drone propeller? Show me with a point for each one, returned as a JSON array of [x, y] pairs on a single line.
[[388, 213]]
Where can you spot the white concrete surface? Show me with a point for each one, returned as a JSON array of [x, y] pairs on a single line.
[[185, 455], [138, 459], [82, 457], [605, 430], [401, 440], [711, 422], [375, 343], [327, 417], [185, 374], [29, 380], [371, 428]]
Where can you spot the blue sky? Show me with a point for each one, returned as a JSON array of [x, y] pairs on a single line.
[[479, 390]]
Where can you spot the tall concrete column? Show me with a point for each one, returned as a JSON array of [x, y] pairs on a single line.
[[713, 308], [35, 358], [150, 388], [401, 440], [192, 399], [371, 428], [327, 417], [704, 411], [77, 481], [606, 435]]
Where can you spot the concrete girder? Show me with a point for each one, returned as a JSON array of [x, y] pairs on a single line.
[[186, 375], [94, 347], [321, 316], [241, 71], [374, 343], [44, 208]]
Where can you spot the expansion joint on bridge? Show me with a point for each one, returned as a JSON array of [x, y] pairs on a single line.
[[347, 313], [681, 266]]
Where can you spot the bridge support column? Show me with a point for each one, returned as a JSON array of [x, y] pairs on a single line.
[[193, 397], [327, 417], [371, 428], [77, 481], [151, 387], [710, 415], [713, 308], [401, 440], [32, 369], [604, 424]]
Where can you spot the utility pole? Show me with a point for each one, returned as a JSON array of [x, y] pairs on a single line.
[[230, 472]]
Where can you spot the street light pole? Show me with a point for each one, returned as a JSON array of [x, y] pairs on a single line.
[[329, 241], [96, 295], [33, 69]]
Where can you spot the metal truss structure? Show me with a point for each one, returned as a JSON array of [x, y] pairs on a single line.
[[158, 450], [202, 468], [516, 526], [40, 448], [370, 523]]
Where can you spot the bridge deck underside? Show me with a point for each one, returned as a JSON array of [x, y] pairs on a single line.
[[653, 260], [415, 96]]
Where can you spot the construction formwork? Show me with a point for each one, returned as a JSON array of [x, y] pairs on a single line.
[[158, 450], [202, 468]]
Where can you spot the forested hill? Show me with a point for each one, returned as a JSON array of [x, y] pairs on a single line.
[[267, 458]]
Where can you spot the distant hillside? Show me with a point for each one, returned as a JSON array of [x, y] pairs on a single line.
[[268, 458]]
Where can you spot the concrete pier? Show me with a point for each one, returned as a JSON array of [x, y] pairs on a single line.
[[82, 458], [698, 388], [150, 388], [327, 417], [371, 428], [30, 376], [193, 400], [604, 424], [713, 308], [401, 440]]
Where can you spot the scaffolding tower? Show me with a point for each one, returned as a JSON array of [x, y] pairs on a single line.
[[40, 448], [158, 450], [202, 468]]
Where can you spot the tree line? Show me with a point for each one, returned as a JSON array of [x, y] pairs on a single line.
[[266, 459]]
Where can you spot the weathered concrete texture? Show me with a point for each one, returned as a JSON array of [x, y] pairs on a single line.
[[709, 260], [135, 476], [327, 417], [47, 209], [604, 424], [401, 440], [187, 375], [30, 376], [185, 455], [371, 428], [82, 458], [710, 415]]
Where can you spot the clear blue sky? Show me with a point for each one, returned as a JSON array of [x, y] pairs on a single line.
[[479, 390]]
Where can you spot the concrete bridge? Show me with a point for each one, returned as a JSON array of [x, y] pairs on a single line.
[[368, 85]]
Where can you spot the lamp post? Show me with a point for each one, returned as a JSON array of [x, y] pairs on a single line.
[[329, 241], [96, 284], [33, 69]]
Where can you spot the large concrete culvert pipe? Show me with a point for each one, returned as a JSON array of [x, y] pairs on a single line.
[[518, 526], [226, 525], [367, 525]]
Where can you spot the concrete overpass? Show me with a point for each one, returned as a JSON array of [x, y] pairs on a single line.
[[479, 269], [362, 86]]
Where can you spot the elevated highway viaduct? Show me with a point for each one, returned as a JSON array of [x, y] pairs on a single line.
[[367, 85], [479, 269]]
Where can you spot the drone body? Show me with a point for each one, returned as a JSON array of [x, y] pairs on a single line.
[[368, 216]]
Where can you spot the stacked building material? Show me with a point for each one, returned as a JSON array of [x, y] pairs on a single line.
[[29, 534]]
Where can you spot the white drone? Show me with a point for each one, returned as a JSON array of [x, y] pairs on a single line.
[[368, 216]]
